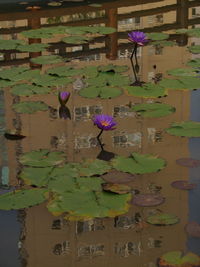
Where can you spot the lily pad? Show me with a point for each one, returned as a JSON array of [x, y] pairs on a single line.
[[10, 44], [32, 47], [52, 59], [118, 177], [29, 89], [194, 49], [30, 107], [22, 199], [182, 72], [76, 39], [178, 259], [157, 36], [184, 83], [188, 162], [186, 128], [195, 63], [93, 167], [162, 219], [37, 33], [113, 68], [64, 71], [163, 43], [138, 163], [42, 158], [194, 32], [12, 73], [148, 200], [36, 176], [102, 92], [6, 83], [183, 185], [146, 90], [48, 80], [193, 229], [153, 110], [117, 188]]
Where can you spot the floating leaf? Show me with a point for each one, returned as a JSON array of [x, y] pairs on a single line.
[[37, 33], [93, 167], [193, 229], [76, 39], [22, 199], [36, 176], [48, 80], [138, 163], [118, 177], [194, 32], [157, 36], [194, 49], [52, 59], [6, 83], [146, 90], [183, 185], [178, 259], [12, 73], [32, 47], [29, 89], [188, 162], [182, 72], [162, 219], [64, 71], [9, 44], [147, 200], [42, 158], [153, 110], [113, 68], [187, 128], [102, 92], [117, 188], [30, 107], [181, 31], [195, 63], [184, 83]]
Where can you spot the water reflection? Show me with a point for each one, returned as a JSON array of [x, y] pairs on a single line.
[[127, 239]]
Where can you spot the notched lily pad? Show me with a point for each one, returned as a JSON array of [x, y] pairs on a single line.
[[51, 59], [22, 199], [183, 185], [30, 107], [93, 167], [146, 90], [117, 188], [195, 63], [153, 110], [42, 158], [186, 128], [178, 259], [24, 89], [188, 162], [118, 177], [162, 219], [32, 47], [138, 163], [77, 39], [148, 200], [182, 72]]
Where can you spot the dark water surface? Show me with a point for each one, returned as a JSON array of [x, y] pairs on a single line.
[[35, 238]]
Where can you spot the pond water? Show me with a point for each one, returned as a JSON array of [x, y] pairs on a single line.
[[76, 200]]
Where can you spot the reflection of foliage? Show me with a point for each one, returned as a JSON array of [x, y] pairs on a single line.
[[55, 20]]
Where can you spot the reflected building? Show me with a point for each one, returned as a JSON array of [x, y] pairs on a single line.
[[127, 239]]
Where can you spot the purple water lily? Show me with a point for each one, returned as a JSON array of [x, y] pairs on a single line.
[[138, 38], [104, 122], [63, 97]]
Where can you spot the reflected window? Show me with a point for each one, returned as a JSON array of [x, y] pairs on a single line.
[[126, 140], [85, 142], [127, 249], [91, 251], [86, 113], [125, 222], [154, 243], [56, 225], [61, 248], [89, 226], [159, 18], [158, 50], [122, 111]]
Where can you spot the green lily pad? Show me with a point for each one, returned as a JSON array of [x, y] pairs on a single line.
[[146, 90], [182, 72], [89, 71], [42, 158], [108, 79], [191, 32], [162, 219], [52, 59], [182, 31], [184, 83], [48, 80], [64, 71], [102, 92], [76, 39], [36, 176], [93, 167], [178, 259], [194, 49], [153, 110], [69, 170], [6, 83], [138, 163], [29, 89], [90, 92], [186, 128], [37, 33], [114, 68], [12, 73], [30, 107], [195, 63], [10, 44], [157, 36], [163, 43], [28, 75], [22, 199], [32, 47]]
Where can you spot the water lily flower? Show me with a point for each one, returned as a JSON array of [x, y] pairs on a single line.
[[138, 38], [104, 122], [63, 97]]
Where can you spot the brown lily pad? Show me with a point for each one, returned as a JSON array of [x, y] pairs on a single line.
[[118, 177], [117, 188], [188, 162], [148, 200], [193, 229], [183, 185]]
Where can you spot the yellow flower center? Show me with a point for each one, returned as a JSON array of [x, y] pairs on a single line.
[[105, 123]]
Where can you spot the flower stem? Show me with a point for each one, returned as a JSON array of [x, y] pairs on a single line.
[[98, 139], [131, 58]]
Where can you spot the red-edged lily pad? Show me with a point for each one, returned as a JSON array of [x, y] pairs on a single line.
[[117, 188], [118, 177], [162, 219], [188, 162], [178, 259], [193, 229], [148, 200], [183, 185]]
